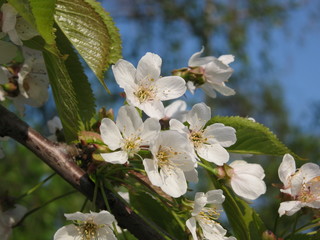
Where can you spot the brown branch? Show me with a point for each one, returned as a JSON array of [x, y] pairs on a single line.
[[60, 157]]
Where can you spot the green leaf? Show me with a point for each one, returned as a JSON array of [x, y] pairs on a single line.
[[245, 222], [160, 215], [64, 94], [43, 12], [253, 137], [315, 236], [91, 31], [80, 85]]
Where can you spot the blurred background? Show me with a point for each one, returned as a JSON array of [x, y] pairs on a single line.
[[276, 77]]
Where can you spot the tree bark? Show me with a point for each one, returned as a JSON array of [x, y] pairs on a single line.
[[60, 157]]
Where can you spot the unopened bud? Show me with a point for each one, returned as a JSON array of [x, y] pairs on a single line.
[[193, 74]]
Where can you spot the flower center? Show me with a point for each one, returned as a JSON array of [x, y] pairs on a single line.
[[164, 154], [88, 230], [208, 215], [131, 145], [310, 190], [144, 94], [197, 138]]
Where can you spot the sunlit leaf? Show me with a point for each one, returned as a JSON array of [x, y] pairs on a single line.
[[91, 31], [253, 137]]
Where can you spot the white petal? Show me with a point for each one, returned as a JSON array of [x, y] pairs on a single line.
[[128, 120], [226, 59], [213, 153], [149, 66], [151, 169], [289, 208], [215, 196], [24, 29], [200, 200], [223, 89], [104, 217], [69, 232], [217, 72], [191, 87], [209, 90], [198, 116], [310, 171], [106, 233], [110, 134], [118, 157], [192, 226], [54, 124], [77, 216], [242, 167], [174, 182], [151, 129], [195, 60], [178, 126], [170, 87], [154, 109], [219, 133], [124, 73], [192, 175], [175, 109], [248, 186], [286, 168]]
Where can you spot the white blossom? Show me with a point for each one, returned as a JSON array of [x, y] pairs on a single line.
[[90, 226], [9, 218], [216, 72], [176, 110], [31, 80], [127, 135], [206, 216], [172, 164], [246, 179], [54, 125], [15, 26], [301, 184], [209, 142], [144, 87]]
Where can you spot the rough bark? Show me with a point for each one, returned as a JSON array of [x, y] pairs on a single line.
[[60, 157]]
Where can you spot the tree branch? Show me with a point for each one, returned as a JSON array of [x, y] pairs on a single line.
[[60, 157]]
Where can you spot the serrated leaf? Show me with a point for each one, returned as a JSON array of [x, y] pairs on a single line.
[[253, 137], [91, 31], [244, 220], [83, 93], [43, 12], [64, 94]]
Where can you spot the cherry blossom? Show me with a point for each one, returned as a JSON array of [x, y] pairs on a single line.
[[246, 179], [127, 135], [172, 164], [209, 142], [91, 226], [206, 216], [216, 72], [144, 87], [302, 185], [16, 27]]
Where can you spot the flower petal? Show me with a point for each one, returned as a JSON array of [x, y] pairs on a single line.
[[154, 109], [195, 60], [128, 121], [151, 129], [124, 73], [149, 67], [198, 116], [174, 182], [192, 226], [176, 110], [289, 208], [226, 59], [110, 134], [213, 153], [118, 157], [170, 87], [219, 133], [286, 169], [215, 196], [151, 168], [103, 217], [69, 232]]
